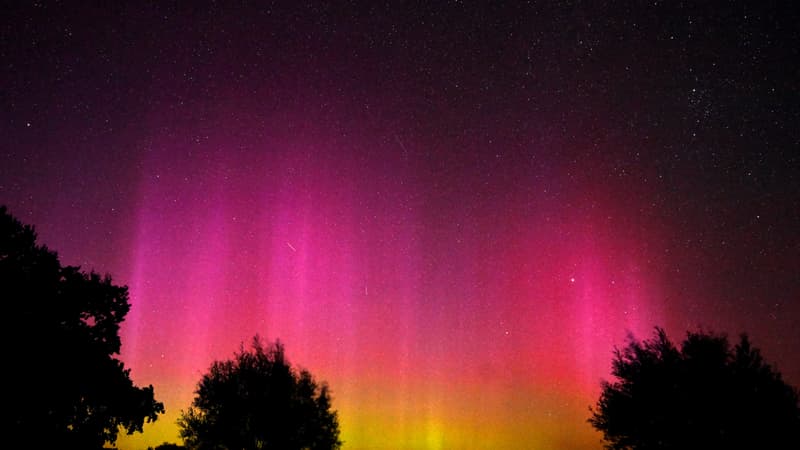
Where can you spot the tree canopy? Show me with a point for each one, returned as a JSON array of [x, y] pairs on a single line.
[[707, 394], [257, 400], [67, 389], [167, 446]]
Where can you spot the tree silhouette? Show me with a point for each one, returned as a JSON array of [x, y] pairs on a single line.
[[66, 389], [707, 395], [257, 400], [167, 446]]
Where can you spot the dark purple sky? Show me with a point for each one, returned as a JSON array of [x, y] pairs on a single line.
[[452, 213]]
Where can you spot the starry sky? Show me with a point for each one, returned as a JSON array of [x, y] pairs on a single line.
[[451, 212]]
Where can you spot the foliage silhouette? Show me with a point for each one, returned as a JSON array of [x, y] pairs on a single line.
[[707, 395], [167, 446], [257, 400], [67, 389]]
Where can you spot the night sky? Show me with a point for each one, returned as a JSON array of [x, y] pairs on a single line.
[[450, 213]]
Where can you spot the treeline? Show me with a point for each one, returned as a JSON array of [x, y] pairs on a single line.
[[70, 390]]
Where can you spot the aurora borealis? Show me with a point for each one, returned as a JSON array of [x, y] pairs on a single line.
[[451, 213]]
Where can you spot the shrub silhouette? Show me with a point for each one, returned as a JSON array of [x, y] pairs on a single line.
[[66, 388], [257, 400], [707, 395]]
